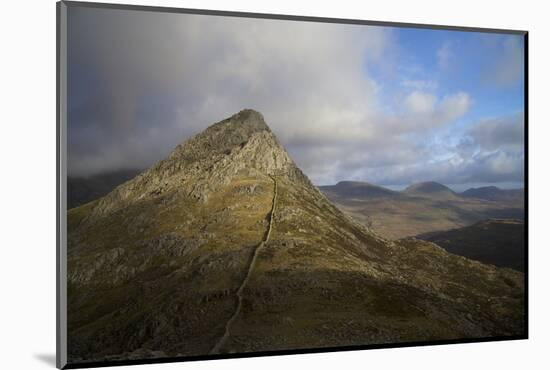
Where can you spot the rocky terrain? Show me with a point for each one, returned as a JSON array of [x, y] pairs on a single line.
[[422, 207], [498, 242], [226, 246]]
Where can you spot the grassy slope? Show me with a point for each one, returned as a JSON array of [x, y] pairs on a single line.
[[322, 280], [181, 288]]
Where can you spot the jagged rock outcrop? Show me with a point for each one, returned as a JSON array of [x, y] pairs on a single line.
[[242, 145]]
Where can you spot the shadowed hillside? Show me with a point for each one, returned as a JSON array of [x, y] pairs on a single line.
[[498, 242]]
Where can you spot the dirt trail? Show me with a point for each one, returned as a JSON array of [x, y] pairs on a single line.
[[219, 345]]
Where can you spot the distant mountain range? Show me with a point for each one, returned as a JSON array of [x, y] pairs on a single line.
[[226, 246], [423, 207]]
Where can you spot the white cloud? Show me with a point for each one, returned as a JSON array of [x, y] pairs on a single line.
[[489, 151], [425, 110], [420, 103], [454, 106]]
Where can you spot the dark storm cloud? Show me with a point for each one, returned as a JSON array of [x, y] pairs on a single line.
[[142, 82], [116, 115]]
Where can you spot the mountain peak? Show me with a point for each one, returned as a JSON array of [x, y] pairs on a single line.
[[361, 186], [247, 121], [353, 183], [428, 187], [357, 189], [224, 136], [242, 145]]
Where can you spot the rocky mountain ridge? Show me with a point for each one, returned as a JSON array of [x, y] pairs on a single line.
[[157, 266], [242, 145]]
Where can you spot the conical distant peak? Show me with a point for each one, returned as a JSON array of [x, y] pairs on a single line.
[[428, 187]]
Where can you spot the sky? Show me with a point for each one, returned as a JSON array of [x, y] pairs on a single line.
[[387, 105]]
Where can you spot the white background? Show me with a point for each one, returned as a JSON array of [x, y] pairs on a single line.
[[27, 183]]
